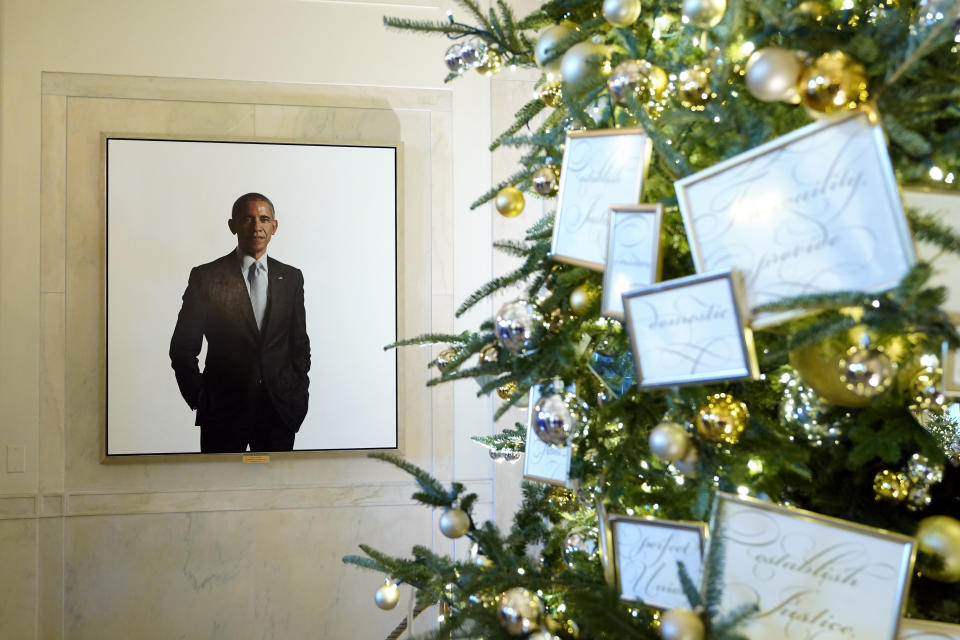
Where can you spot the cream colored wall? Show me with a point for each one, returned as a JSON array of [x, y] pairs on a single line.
[[211, 549]]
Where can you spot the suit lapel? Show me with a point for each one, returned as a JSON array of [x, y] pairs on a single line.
[[237, 286], [276, 291]]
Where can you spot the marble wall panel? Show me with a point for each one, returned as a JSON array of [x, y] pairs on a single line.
[[18, 543]]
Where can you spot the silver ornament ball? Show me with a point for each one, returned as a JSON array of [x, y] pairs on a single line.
[[546, 46], [621, 13], [454, 59], [557, 416], [454, 523], [583, 61], [510, 457], [669, 441], [772, 74], [387, 596], [703, 13], [802, 409], [515, 323], [681, 624], [579, 545], [867, 370], [473, 52], [519, 611]]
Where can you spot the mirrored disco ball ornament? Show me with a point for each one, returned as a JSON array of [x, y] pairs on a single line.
[[638, 77], [557, 416], [519, 611], [580, 545], [473, 51], [803, 410], [454, 60], [515, 324], [867, 370]]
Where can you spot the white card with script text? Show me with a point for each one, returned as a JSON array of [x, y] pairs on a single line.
[[601, 168], [633, 254], [646, 552], [815, 211], [924, 630], [542, 462], [810, 576], [690, 331]]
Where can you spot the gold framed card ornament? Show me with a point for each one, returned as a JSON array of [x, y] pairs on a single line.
[[601, 168], [690, 330], [646, 552], [542, 462], [633, 254], [926, 630], [813, 212], [809, 575]]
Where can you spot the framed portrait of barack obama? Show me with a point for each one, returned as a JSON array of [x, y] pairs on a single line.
[[251, 287]]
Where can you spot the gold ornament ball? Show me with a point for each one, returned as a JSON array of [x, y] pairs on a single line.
[[491, 64], [772, 74], [813, 9], [444, 358], [545, 181], [644, 79], [547, 43], [939, 536], [925, 392], [519, 611], [817, 365], [551, 94], [489, 353], [509, 202], [890, 485], [866, 370], [387, 596], [833, 82], [507, 390], [583, 297], [454, 523], [722, 418], [702, 13], [669, 441], [693, 87], [621, 13], [584, 61], [681, 624]]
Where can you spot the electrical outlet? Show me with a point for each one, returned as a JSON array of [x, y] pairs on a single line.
[[16, 458]]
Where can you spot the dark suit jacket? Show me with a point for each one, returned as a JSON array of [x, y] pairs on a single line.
[[216, 305]]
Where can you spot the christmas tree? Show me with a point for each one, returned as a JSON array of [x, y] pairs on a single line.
[[725, 329]]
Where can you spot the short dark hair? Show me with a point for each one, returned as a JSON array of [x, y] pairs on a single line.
[[240, 206]]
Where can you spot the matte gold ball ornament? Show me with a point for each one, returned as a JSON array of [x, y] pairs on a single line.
[[939, 536], [621, 13], [772, 74], [454, 523], [519, 611], [722, 418], [546, 181], [387, 596], [509, 202], [669, 441], [583, 297], [833, 82], [681, 624], [583, 62], [547, 46], [551, 94], [693, 87], [702, 13]]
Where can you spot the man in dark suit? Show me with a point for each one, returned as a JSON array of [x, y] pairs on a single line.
[[249, 307]]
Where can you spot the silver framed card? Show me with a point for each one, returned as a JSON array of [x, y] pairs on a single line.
[[814, 211], [925, 630], [633, 254], [542, 462], [646, 552], [945, 206], [690, 330], [809, 575], [600, 168]]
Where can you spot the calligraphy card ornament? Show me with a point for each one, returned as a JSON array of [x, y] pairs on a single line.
[[924, 630], [601, 168], [646, 552], [945, 207], [633, 254], [690, 330], [816, 211], [541, 462], [809, 575]]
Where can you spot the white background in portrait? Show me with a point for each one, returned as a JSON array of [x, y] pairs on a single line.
[[168, 206]]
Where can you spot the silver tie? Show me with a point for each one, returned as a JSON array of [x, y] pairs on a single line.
[[258, 291]]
